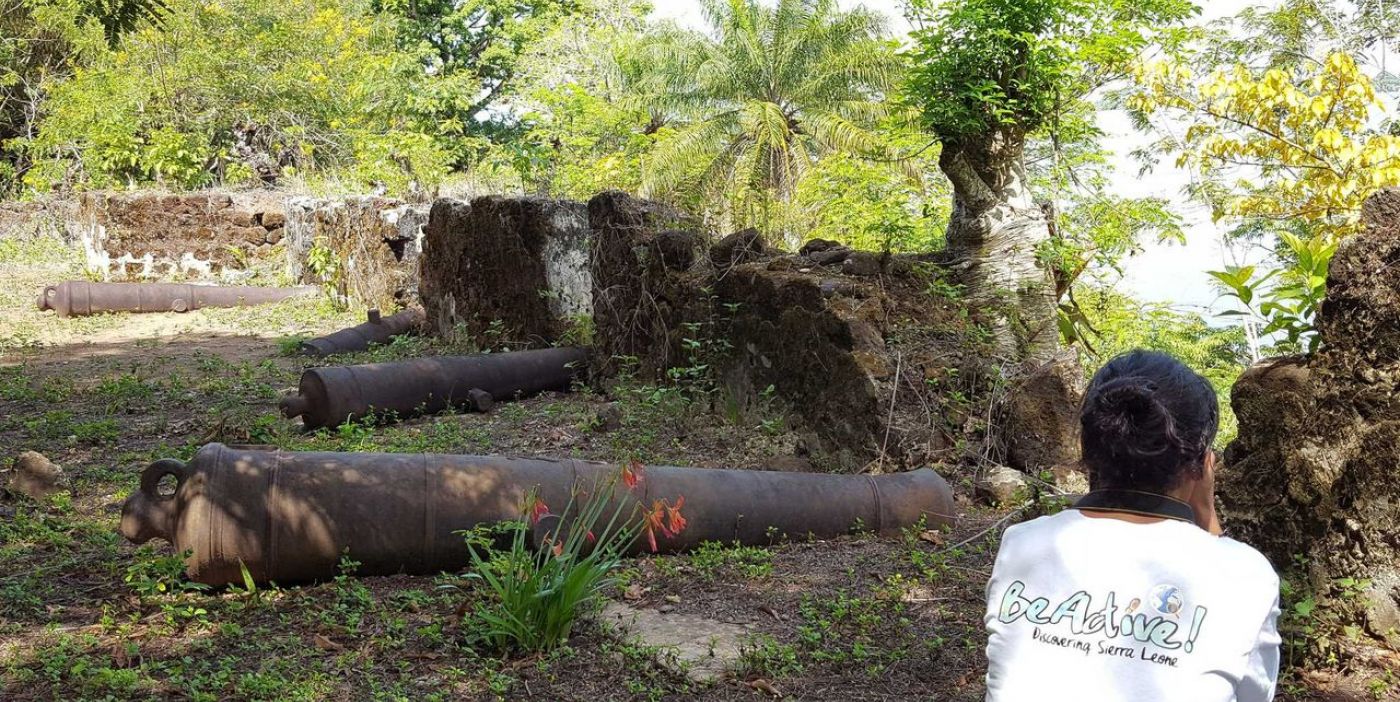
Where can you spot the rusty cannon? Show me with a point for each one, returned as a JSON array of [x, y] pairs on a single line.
[[333, 395], [290, 517], [377, 329], [79, 298]]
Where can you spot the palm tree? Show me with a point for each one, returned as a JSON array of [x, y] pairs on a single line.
[[756, 103]]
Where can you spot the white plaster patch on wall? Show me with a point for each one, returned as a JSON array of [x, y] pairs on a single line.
[[566, 265]]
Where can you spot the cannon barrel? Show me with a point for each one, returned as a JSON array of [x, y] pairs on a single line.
[[78, 298], [375, 330], [290, 517], [330, 396]]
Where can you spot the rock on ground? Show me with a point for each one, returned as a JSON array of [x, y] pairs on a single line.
[[1001, 485], [702, 649], [1041, 415], [1313, 472], [508, 270], [35, 476]]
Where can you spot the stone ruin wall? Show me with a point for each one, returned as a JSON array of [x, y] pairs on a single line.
[[375, 243], [135, 236], [1313, 479], [876, 373], [507, 270]]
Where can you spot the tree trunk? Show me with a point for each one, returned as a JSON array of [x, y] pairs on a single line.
[[996, 229]]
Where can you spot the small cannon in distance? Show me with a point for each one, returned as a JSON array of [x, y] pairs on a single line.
[[376, 329], [80, 298], [290, 517], [331, 396]]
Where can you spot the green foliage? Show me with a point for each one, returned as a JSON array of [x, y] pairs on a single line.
[[536, 595], [869, 206], [472, 50], [715, 559], [244, 90], [1284, 299], [750, 109], [991, 66]]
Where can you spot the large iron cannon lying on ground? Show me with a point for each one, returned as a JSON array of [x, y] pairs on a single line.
[[377, 329], [330, 396], [291, 517], [78, 298]]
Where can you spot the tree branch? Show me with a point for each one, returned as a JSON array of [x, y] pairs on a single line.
[[967, 183]]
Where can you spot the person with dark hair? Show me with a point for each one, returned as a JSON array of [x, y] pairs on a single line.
[[1134, 594]]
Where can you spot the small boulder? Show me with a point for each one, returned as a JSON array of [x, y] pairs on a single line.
[[34, 476], [818, 245], [1070, 479], [1000, 485], [831, 256], [743, 246], [790, 464], [861, 263]]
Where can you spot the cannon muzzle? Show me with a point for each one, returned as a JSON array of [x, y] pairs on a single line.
[[290, 517]]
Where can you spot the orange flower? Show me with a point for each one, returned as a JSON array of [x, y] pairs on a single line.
[[558, 549], [632, 473], [654, 520], [674, 520]]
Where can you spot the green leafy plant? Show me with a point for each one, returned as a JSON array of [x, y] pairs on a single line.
[[537, 594], [1285, 299]]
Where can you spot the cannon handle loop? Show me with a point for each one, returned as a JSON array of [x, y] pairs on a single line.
[[148, 514], [154, 473]]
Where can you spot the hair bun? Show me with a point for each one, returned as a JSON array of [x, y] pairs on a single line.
[[1126, 412]]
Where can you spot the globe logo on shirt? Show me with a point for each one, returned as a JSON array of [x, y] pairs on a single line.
[[1166, 599]]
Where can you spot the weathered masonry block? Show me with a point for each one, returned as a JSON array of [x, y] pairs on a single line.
[[366, 247], [149, 235], [510, 270]]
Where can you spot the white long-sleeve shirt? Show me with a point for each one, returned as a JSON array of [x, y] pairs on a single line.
[[1103, 610]]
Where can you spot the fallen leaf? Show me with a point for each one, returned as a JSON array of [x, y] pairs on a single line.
[[635, 592], [764, 686], [933, 537], [326, 644], [673, 599], [771, 612]]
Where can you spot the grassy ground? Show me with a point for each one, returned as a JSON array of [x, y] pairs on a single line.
[[85, 615]]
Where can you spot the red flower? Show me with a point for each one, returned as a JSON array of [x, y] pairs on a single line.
[[591, 538], [538, 510], [632, 473]]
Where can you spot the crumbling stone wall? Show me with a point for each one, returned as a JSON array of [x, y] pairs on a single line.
[[877, 372], [147, 235], [507, 269], [1314, 473], [648, 264], [374, 241]]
